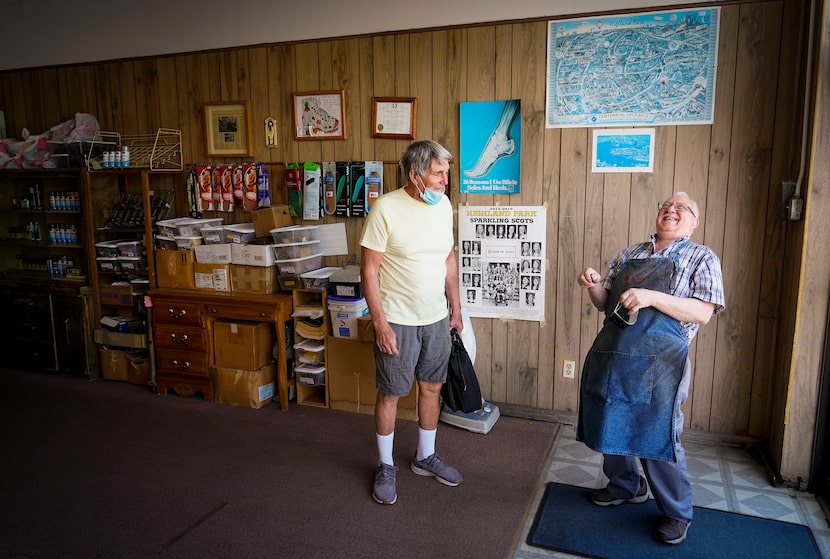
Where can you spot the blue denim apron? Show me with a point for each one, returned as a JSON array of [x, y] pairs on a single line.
[[632, 373]]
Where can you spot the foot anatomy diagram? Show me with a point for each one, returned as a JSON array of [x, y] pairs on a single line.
[[499, 145], [316, 120]]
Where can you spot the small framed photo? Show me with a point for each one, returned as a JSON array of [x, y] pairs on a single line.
[[394, 117], [320, 115], [228, 128]]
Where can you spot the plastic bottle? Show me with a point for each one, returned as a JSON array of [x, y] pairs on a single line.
[[125, 156], [116, 158]]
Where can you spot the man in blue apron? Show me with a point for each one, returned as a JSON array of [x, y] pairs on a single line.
[[637, 373]]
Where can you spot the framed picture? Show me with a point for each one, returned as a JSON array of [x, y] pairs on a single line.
[[394, 117], [320, 115], [228, 128]]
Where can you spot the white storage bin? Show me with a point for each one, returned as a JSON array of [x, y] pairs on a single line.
[[108, 249], [166, 243], [108, 264], [213, 235], [187, 242], [295, 250], [240, 233], [193, 228], [294, 234], [298, 266], [132, 263], [312, 375], [130, 248], [169, 227]]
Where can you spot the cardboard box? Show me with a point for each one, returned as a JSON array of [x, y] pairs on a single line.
[[212, 277], [351, 379], [117, 295], [254, 279], [240, 387], [174, 268], [213, 254], [119, 339], [365, 329], [115, 364], [266, 219], [138, 368], [243, 344], [253, 254]]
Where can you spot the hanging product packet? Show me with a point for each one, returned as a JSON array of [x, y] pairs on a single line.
[[374, 183], [294, 189], [311, 190]]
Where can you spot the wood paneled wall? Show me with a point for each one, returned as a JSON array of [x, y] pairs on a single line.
[[730, 167]]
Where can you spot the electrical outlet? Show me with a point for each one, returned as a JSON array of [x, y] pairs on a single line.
[[568, 369]]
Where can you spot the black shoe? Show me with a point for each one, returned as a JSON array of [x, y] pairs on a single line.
[[604, 498], [671, 531]]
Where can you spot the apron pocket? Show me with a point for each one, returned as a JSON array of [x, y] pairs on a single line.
[[619, 377]]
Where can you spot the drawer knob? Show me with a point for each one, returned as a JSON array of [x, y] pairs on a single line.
[[181, 367], [177, 315], [179, 340]]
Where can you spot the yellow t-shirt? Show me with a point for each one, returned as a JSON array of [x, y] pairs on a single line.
[[415, 239]]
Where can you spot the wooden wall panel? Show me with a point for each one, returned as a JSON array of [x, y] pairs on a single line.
[[726, 166]]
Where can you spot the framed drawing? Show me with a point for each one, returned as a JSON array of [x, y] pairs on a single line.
[[394, 117], [320, 115], [228, 128]]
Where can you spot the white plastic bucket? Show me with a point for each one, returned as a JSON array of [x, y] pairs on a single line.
[[344, 315]]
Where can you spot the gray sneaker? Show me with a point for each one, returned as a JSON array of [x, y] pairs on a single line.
[[435, 467], [385, 490], [604, 498]]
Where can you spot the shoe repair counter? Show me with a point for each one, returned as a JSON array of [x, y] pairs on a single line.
[[183, 323]]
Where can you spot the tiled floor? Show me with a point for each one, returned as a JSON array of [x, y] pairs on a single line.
[[722, 478]]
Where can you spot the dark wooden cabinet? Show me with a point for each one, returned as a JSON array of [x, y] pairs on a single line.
[[44, 268], [182, 326]]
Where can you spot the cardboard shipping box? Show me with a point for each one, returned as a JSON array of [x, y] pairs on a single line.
[[241, 387], [351, 371], [212, 277], [130, 366], [243, 344], [213, 254], [174, 268], [269, 218], [254, 279]]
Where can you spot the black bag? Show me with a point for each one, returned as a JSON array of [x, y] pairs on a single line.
[[461, 392]]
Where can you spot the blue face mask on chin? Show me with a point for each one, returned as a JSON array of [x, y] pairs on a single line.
[[429, 196]]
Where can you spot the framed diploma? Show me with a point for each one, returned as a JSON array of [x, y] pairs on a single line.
[[394, 117], [227, 128]]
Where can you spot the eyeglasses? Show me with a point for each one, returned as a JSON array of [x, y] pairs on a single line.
[[621, 316], [681, 208]]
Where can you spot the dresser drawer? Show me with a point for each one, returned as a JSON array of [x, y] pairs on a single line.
[[174, 312], [242, 312], [179, 337], [188, 363]]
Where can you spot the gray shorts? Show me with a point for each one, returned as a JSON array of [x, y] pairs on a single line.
[[423, 354]]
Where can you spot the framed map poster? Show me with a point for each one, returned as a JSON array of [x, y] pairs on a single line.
[[646, 69]]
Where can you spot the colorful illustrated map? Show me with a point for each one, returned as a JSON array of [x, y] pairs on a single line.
[[637, 69]]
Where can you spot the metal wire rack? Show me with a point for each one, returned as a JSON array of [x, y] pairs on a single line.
[[161, 151]]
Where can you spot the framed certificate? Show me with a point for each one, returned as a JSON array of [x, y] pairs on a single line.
[[394, 117]]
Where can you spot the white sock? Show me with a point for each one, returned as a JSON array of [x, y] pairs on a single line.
[[426, 443], [385, 444]]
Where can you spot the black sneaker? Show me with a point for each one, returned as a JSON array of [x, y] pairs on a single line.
[[671, 531], [385, 489], [604, 498]]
